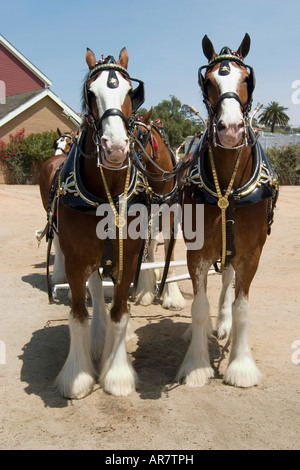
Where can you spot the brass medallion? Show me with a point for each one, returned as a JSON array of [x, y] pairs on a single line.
[[223, 203]]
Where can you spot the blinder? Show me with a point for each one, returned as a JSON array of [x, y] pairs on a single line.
[[137, 95]]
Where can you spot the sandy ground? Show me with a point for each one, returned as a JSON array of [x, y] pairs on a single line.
[[161, 414]]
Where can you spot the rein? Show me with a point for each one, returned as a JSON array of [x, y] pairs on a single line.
[[178, 168]]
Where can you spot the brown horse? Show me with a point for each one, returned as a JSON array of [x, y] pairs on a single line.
[[64, 142], [158, 159], [92, 223], [234, 181], [62, 146]]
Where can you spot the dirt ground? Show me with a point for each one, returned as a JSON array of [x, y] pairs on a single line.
[[161, 414]]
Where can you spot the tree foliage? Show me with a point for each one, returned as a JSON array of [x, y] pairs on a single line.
[[177, 120], [274, 114]]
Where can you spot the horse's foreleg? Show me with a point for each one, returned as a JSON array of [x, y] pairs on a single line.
[[146, 287], [76, 378], [99, 318], [59, 274], [147, 278], [172, 297], [224, 319], [242, 370], [196, 369], [117, 374]]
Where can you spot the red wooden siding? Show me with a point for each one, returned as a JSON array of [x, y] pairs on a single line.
[[16, 76]]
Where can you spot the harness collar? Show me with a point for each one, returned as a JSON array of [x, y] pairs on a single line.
[[261, 184], [74, 193]]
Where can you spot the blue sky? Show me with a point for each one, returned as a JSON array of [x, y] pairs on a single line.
[[163, 39]]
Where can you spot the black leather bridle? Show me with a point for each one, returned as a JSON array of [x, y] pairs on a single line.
[[223, 59], [203, 82], [137, 95]]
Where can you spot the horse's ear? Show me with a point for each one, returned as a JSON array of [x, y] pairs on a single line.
[[208, 48], [90, 58], [147, 116], [123, 58], [245, 46], [58, 131]]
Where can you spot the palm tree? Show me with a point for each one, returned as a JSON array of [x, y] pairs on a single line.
[[274, 114]]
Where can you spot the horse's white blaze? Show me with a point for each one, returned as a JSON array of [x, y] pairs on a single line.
[[231, 111], [231, 114], [117, 375], [76, 379], [241, 371], [61, 145], [196, 368], [114, 137]]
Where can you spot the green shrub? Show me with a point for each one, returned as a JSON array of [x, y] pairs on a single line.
[[39, 147], [285, 161], [20, 152]]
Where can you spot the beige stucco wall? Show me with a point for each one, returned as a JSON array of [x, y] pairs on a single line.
[[44, 116]]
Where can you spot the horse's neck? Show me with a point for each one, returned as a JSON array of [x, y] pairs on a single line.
[[161, 156], [225, 161], [92, 176]]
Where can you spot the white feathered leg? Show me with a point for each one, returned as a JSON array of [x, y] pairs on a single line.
[[59, 274], [99, 318], [117, 375], [172, 297], [241, 371], [145, 291], [146, 287], [224, 320], [196, 369], [76, 379]]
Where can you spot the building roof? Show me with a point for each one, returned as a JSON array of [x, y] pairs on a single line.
[[17, 104], [25, 61], [14, 101]]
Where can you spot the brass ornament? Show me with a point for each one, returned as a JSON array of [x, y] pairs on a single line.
[[223, 203]]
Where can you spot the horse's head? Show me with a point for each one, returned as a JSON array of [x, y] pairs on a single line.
[[64, 142], [227, 88], [108, 97]]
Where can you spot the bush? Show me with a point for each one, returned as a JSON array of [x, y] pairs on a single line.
[[20, 153], [285, 161]]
